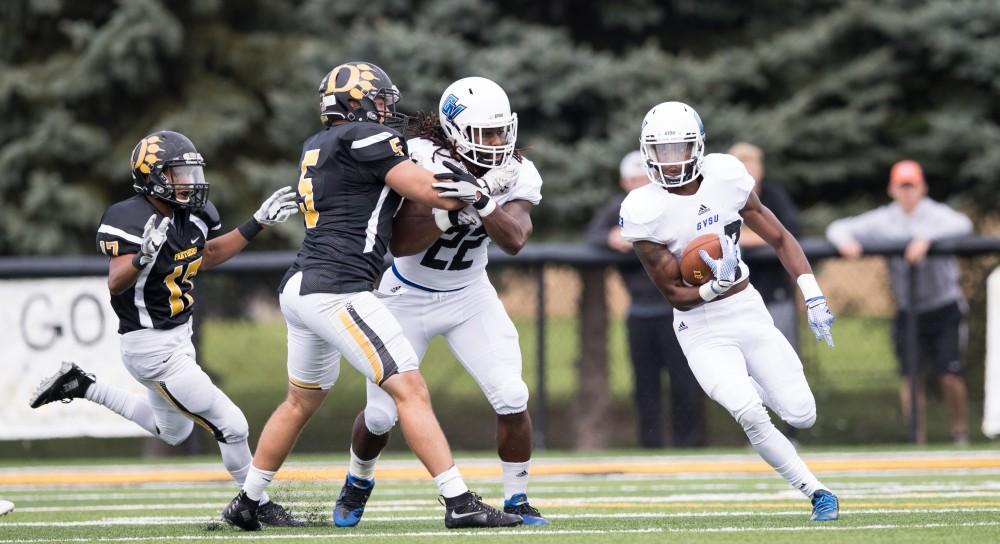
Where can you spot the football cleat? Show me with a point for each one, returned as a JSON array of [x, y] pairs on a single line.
[[6, 507], [71, 382], [826, 506], [242, 512], [518, 504], [468, 510], [273, 514], [350, 504]]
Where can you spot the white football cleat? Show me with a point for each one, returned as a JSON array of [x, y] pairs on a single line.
[[6, 507]]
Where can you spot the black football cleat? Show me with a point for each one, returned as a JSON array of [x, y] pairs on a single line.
[[468, 510], [71, 382], [273, 514], [242, 512]]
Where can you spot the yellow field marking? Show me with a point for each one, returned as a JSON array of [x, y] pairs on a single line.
[[163, 474]]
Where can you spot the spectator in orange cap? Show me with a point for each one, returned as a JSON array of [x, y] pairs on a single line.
[[940, 307]]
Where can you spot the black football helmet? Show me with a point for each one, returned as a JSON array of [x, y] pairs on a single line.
[[362, 82], [165, 165]]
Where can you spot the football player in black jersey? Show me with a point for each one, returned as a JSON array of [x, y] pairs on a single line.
[[157, 241], [353, 176]]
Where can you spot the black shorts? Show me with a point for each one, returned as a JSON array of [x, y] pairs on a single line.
[[940, 339]]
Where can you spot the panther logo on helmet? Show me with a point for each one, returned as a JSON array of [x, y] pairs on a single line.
[[145, 154]]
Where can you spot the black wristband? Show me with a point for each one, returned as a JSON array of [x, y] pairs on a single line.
[[136, 261], [250, 228]]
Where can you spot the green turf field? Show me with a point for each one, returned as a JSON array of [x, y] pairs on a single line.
[[726, 497]]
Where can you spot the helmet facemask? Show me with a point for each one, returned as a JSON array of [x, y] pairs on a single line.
[[470, 142], [183, 184], [673, 163]]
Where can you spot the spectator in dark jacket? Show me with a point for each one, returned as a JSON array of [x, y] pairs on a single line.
[[652, 344]]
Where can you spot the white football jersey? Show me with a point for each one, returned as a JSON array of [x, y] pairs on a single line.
[[458, 257], [652, 213]]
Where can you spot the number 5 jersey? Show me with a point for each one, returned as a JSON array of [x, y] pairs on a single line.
[[458, 257], [161, 297]]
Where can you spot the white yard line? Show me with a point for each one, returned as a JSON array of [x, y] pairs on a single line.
[[188, 520], [547, 501], [507, 533]]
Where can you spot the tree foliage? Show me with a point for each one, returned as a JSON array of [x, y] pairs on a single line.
[[834, 91]]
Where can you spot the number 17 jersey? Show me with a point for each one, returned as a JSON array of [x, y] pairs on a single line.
[[458, 257]]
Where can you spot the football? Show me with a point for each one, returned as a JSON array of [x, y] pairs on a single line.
[[693, 269]]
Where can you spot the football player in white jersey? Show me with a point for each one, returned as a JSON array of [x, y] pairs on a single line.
[[437, 285], [737, 354]]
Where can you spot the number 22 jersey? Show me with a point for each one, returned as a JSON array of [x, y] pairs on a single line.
[[458, 257]]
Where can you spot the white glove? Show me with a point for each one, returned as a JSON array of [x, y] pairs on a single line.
[[445, 219], [153, 238], [500, 179], [465, 187], [277, 208], [724, 270], [820, 319]]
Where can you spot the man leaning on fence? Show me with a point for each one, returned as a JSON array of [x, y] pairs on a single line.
[[652, 343], [940, 307]]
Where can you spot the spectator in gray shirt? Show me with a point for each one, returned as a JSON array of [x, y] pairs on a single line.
[[939, 304], [652, 343]]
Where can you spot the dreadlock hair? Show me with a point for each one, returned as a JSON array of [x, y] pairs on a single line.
[[428, 126]]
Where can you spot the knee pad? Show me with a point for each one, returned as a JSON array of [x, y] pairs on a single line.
[[756, 422], [235, 427], [511, 397], [176, 432], [802, 416], [380, 418]]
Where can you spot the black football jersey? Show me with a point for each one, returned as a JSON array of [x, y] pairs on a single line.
[[347, 206], [161, 297]]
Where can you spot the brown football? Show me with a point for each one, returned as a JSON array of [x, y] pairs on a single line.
[[693, 269]]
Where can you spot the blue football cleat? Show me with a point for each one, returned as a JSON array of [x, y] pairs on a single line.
[[351, 502], [826, 507], [518, 504]]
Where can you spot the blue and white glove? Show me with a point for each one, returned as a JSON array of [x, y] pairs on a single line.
[[446, 219], [820, 319], [819, 314], [500, 179], [153, 237], [725, 270]]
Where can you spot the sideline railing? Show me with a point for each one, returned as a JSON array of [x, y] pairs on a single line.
[[536, 256]]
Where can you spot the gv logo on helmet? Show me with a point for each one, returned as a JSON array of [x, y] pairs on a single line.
[[451, 108]]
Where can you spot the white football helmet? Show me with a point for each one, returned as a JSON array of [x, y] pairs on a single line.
[[672, 144], [469, 107]]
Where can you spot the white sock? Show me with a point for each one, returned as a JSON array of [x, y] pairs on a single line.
[[236, 458], [515, 478], [781, 455], [450, 483], [359, 468], [256, 482], [131, 406]]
